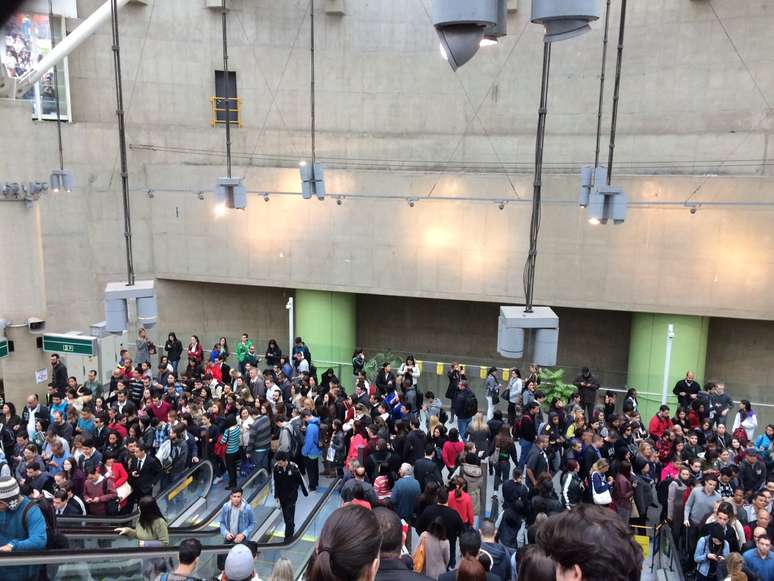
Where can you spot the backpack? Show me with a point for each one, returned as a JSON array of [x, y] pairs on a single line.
[[296, 441], [471, 406], [662, 491]]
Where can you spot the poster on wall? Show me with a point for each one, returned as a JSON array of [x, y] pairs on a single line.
[[24, 40]]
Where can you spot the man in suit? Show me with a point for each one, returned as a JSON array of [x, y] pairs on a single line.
[[144, 472]]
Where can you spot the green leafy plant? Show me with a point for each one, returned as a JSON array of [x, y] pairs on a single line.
[[552, 384], [374, 364]]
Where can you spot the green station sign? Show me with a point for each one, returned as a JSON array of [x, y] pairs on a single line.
[[3, 348], [70, 344]]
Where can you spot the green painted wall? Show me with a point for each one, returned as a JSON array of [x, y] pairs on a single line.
[[327, 321], [647, 351]]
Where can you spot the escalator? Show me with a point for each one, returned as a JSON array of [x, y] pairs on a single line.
[[189, 517], [133, 564], [193, 485]]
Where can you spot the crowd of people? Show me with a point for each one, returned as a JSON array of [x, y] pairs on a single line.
[[92, 449]]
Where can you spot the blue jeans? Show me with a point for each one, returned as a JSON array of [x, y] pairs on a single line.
[[526, 446], [260, 458], [462, 426]]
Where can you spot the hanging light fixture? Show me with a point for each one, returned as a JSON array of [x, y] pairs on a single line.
[[61, 179], [460, 25], [312, 174], [500, 28], [229, 191]]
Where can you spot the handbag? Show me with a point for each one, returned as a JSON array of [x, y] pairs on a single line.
[[600, 498], [330, 456], [495, 398], [419, 558], [219, 449], [124, 491]]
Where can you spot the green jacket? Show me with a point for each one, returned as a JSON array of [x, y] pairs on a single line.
[[242, 349]]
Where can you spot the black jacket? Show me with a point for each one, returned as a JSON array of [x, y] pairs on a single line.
[[461, 405], [425, 471], [414, 449], [683, 386], [451, 520], [587, 392], [59, 379], [391, 569], [384, 381], [142, 482], [174, 349], [287, 481], [515, 497]]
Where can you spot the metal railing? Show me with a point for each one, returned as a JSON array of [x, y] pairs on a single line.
[[218, 109]]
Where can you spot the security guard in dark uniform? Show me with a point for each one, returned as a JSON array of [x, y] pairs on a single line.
[[287, 481]]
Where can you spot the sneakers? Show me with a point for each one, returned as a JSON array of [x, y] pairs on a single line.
[[218, 480]]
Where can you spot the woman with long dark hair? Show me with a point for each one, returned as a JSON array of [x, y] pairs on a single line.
[[348, 547], [273, 353], [174, 349], [231, 440], [747, 420], [151, 527], [503, 452], [436, 547]]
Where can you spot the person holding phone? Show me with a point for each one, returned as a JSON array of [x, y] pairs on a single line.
[[711, 551]]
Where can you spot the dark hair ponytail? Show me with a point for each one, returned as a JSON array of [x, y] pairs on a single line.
[[349, 542]]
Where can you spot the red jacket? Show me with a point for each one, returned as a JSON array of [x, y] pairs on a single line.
[[658, 426], [463, 505], [450, 452]]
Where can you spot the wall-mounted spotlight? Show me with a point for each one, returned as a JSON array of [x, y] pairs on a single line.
[[229, 193], [266, 197], [62, 180], [411, 202], [339, 200], [151, 194], [501, 205], [693, 206], [200, 195], [312, 180]]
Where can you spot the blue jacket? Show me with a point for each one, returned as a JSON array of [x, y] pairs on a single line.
[[246, 519], [404, 493], [312, 439], [12, 528], [763, 568], [702, 550]]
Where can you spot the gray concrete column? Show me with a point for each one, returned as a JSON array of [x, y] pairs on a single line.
[[22, 295]]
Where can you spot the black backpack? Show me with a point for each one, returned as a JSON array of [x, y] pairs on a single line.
[[662, 491], [471, 406]]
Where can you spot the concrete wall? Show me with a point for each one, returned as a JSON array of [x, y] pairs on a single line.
[[393, 119], [212, 310], [739, 353], [466, 331]]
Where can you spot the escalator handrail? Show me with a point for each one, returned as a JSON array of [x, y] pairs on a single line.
[[123, 518], [62, 556], [197, 530]]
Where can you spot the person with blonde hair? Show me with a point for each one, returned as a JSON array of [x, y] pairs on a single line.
[[282, 571], [601, 483], [735, 568]]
